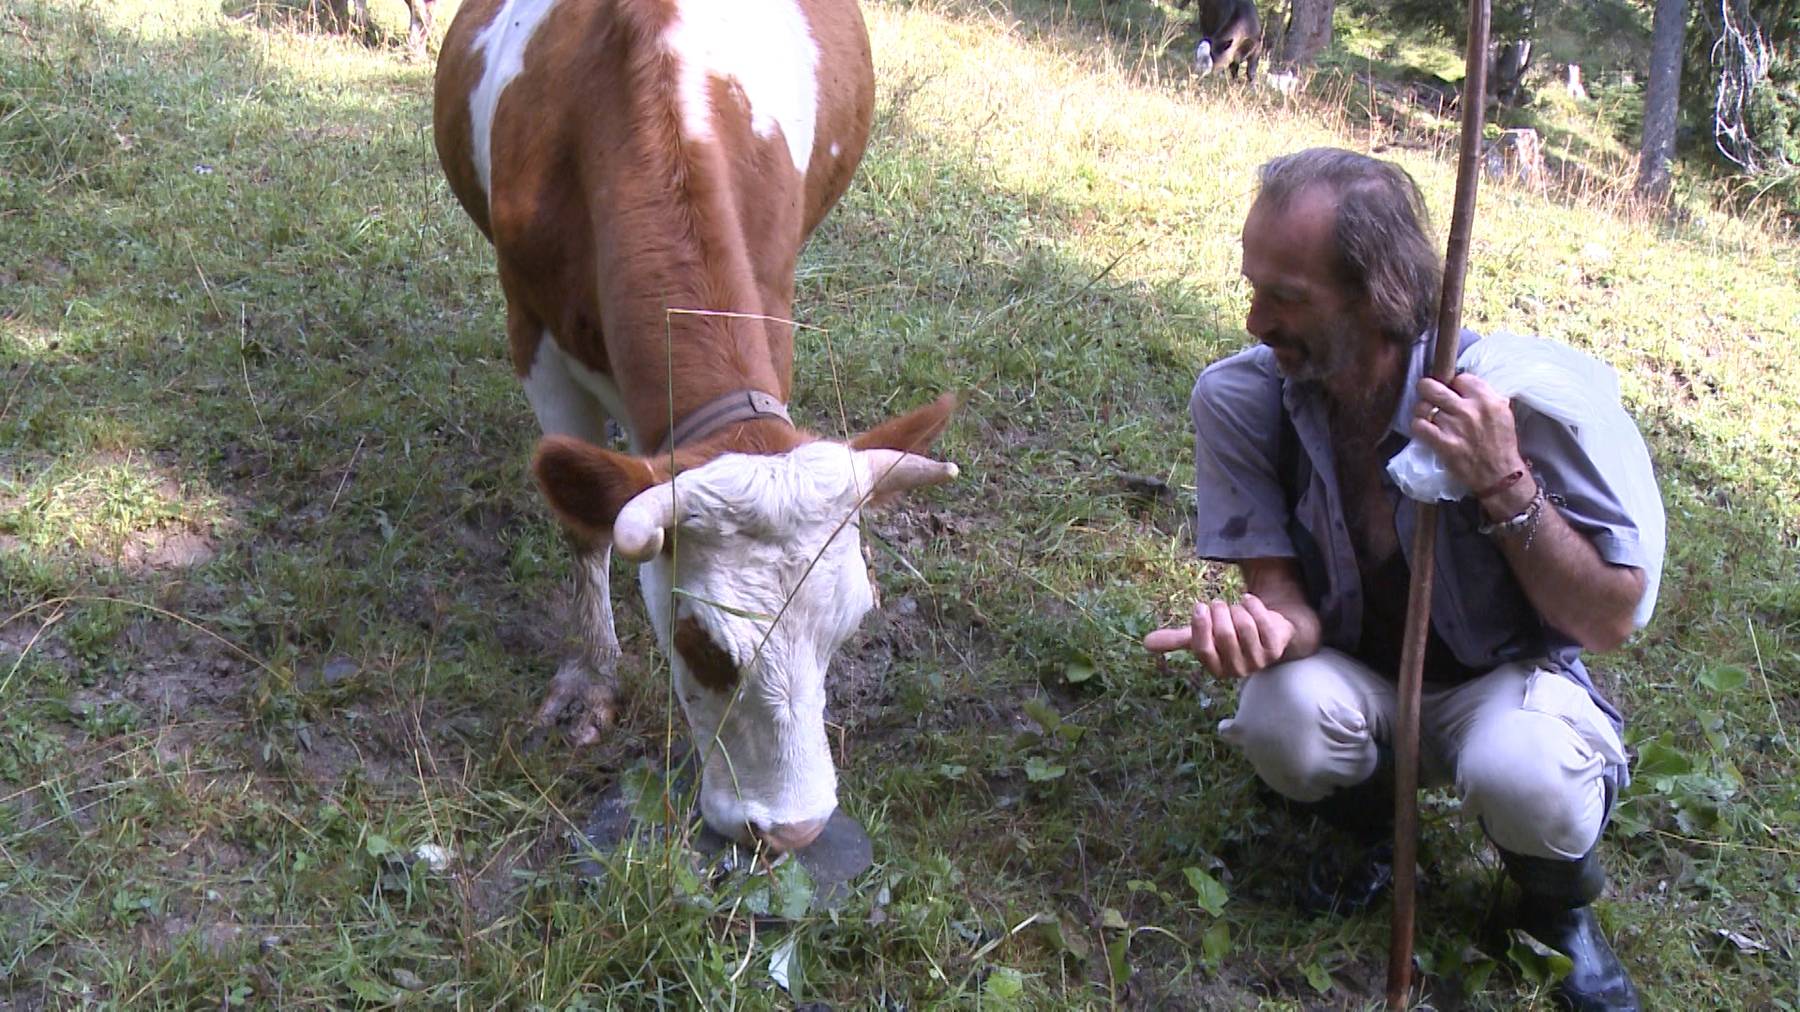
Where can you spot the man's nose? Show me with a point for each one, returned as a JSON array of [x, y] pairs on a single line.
[[1256, 321]]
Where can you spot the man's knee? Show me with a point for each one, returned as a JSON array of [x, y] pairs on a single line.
[[1537, 788], [1303, 729]]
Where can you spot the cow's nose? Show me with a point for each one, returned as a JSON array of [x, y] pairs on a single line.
[[787, 837]]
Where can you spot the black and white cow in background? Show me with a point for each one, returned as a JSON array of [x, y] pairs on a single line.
[[1230, 36]]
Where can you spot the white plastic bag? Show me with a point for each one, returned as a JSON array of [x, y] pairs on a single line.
[[1582, 393]]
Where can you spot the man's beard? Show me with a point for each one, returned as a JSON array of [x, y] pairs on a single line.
[[1325, 353], [1329, 356]]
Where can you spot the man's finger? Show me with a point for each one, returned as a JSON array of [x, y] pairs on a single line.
[[1200, 633], [1224, 641], [1168, 640], [1434, 394], [1251, 648], [1467, 384], [1275, 629]]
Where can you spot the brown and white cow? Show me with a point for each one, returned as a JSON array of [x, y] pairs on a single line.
[[647, 171]]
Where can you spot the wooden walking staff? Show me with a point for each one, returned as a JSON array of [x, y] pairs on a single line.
[[1424, 550]]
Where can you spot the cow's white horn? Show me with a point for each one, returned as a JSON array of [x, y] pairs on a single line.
[[893, 471], [638, 529]]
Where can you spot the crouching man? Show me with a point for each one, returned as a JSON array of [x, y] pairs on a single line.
[[1540, 562]]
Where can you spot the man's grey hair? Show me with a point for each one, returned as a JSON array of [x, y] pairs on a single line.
[[1385, 251]]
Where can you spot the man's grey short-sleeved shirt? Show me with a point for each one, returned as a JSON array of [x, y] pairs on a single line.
[[1265, 488]]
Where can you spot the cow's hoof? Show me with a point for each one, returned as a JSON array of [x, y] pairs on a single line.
[[588, 701]]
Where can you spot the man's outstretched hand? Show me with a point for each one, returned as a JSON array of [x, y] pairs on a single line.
[[1231, 640]]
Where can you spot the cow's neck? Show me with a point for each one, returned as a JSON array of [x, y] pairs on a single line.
[[682, 286], [705, 359], [758, 436]]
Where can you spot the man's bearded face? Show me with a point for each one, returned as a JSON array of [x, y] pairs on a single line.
[[1298, 306], [1312, 349]]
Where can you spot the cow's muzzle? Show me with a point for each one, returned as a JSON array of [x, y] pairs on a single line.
[[787, 837]]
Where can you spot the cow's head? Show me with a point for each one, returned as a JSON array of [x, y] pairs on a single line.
[[753, 575], [1203, 58]]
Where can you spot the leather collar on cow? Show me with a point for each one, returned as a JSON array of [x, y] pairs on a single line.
[[736, 406]]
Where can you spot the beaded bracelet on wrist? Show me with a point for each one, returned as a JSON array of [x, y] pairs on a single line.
[[1522, 525]]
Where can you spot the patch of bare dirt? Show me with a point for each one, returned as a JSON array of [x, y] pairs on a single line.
[[166, 550], [28, 633], [184, 676]]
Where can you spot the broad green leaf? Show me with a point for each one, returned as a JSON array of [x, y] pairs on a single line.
[[1215, 945], [1209, 892], [378, 845], [1044, 714], [1038, 769], [1115, 957], [1729, 771], [1110, 918], [1629, 817], [1724, 678], [1138, 885], [1656, 759], [1477, 968], [688, 883], [756, 898], [1538, 962], [645, 788], [784, 963], [1003, 987], [1317, 976], [1079, 669], [1060, 938], [952, 771], [793, 890]]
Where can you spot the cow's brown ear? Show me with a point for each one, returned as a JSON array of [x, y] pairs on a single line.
[[913, 432], [587, 485]]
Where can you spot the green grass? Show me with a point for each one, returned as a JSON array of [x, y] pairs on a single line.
[[241, 309]]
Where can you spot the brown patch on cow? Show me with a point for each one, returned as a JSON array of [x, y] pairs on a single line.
[[757, 436], [710, 665], [588, 485], [913, 432], [605, 217], [451, 127]]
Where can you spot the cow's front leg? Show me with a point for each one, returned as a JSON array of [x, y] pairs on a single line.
[[587, 682], [418, 25]]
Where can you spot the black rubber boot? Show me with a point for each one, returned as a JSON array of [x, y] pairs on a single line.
[[1554, 909], [1354, 876]]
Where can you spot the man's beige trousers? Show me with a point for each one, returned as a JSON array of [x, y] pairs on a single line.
[[1526, 748]]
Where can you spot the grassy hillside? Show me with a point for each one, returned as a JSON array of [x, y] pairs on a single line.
[[277, 595]]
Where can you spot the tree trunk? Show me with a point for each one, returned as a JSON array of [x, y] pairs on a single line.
[[1308, 31], [1660, 98]]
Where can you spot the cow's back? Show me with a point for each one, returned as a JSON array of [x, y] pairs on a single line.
[[1234, 19], [625, 156]]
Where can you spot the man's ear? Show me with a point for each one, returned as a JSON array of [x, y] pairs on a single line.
[[587, 485], [913, 432]]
